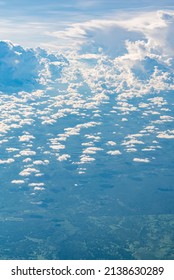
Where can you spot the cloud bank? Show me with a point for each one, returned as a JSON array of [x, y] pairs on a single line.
[[126, 56], [27, 69], [155, 28]]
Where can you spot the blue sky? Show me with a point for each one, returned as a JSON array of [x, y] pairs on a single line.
[[29, 22], [71, 10]]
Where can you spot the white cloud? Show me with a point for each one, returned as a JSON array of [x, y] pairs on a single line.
[[110, 34], [6, 161], [114, 153], [63, 157], [11, 150], [26, 138], [91, 150], [27, 152], [36, 184], [86, 159], [131, 150], [18, 182], [28, 171], [40, 162], [165, 135], [83, 89], [87, 144], [27, 160], [143, 160], [57, 146], [27, 69], [38, 189], [111, 143], [132, 142]]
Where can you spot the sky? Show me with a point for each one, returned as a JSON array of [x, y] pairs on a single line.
[[35, 23]]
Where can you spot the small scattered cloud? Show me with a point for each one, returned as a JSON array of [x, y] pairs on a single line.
[[143, 160], [63, 157], [28, 171], [18, 182], [114, 153], [27, 152], [6, 161]]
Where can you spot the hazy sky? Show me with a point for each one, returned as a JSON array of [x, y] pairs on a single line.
[[29, 22]]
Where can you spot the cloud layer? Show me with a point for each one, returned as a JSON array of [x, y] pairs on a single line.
[[83, 105]]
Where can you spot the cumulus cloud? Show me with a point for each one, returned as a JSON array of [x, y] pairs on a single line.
[[130, 56], [28, 171], [111, 143], [143, 160], [109, 77], [36, 184], [132, 142], [63, 157], [26, 138], [27, 69], [18, 182], [27, 160], [41, 162], [6, 161], [91, 150], [114, 153], [166, 135], [11, 150], [86, 159], [27, 152], [110, 35]]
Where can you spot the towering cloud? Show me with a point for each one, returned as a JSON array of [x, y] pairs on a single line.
[[27, 69]]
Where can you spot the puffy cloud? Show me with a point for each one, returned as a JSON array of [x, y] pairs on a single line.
[[9, 160], [92, 85], [86, 159], [131, 150], [91, 150], [27, 160], [95, 138], [41, 162], [28, 171], [11, 150], [19, 68], [166, 135], [57, 146], [114, 153], [111, 143], [63, 157], [88, 144], [18, 182], [27, 152], [132, 142], [26, 138], [36, 184], [143, 160], [143, 57], [110, 35], [27, 69]]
